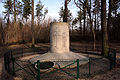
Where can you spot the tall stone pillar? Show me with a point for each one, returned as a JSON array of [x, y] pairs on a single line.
[[59, 37]]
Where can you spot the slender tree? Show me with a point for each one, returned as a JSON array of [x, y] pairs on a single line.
[[1, 32], [8, 10], [32, 24], [14, 12], [109, 17], [45, 12], [65, 18], [83, 7], [91, 22], [104, 29], [19, 8], [8, 5], [26, 9], [84, 27], [80, 17], [86, 8], [39, 11], [96, 13], [61, 14]]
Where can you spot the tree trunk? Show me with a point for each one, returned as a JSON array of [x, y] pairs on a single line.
[[104, 29], [8, 25], [84, 23], [38, 18], [109, 17], [16, 35], [14, 12], [92, 29], [32, 24], [80, 23], [95, 23], [65, 12], [1, 34], [8, 20]]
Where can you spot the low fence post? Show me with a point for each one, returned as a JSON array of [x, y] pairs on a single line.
[[13, 66], [86, 48], [38, 70], [5, 61], [114, 58], [89, 67], [111, 61], [22, 51], [8, 62], [78, 69], [97, 50]]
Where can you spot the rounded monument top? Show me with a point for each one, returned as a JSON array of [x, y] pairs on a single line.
[[59, 23]]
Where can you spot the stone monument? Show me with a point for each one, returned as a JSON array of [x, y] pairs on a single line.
[[59, 45], [59, 38]]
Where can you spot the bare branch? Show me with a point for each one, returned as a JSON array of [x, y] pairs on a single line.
[[78, 4], [68, 1], [81, 1]]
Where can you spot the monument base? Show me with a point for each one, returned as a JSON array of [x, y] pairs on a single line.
[[60, 59]]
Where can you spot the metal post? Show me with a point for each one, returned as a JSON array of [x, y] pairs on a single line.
[[38, 70], [5, 61], [89, 67], [111, 61], [8, 63], [13, 66], [78, 69], [114, 58], [86, 49], [11, 55], [23, 51], [97, 50]]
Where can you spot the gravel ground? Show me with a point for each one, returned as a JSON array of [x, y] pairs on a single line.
[[109, 75], [99, 65]]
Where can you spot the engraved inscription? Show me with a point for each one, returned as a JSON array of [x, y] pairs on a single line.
[[64, 39], [60, 39]]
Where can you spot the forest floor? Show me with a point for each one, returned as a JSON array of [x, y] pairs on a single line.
[[114, 74]]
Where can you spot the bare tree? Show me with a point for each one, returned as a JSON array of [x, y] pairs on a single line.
[[1, 33], [86, 7], [65, 18], [109, 17], [104, 28], [82, 6], [32, 24], [14, 11]]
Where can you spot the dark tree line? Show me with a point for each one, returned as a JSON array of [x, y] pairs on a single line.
[[93, 19], [94, 22], [21, 10]]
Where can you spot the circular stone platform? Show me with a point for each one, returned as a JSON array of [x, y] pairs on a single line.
[[60, 59]]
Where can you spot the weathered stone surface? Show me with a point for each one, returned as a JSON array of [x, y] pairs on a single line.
[[56, 57], [59, 37]]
